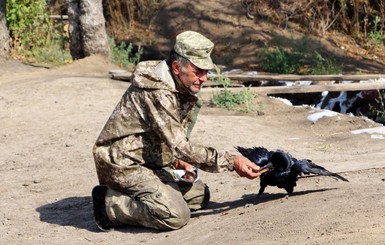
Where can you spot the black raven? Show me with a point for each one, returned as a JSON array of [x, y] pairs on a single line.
[[283, 168]]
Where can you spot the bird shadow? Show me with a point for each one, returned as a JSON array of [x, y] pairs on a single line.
[[250, 199], [78, 212]]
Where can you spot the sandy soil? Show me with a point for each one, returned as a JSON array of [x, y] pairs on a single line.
[[50, 119]]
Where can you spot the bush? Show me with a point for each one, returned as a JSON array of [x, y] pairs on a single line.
[[122, 54], [280, 61], [244, 100], [34, 37], [28, 23], [324, 66], [296, 60], [231, 100], [376, 36]]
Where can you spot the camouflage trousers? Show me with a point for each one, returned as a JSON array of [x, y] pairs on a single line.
[[156, 204]]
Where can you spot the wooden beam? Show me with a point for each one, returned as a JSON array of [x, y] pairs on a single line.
[[121, 75], [304, 89], [269, 77], [217, 84], [59, 17], [125, 76]]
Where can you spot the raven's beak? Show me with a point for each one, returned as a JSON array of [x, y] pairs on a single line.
[[269, 165]]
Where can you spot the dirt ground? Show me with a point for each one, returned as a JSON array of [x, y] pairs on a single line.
[[50, 119]]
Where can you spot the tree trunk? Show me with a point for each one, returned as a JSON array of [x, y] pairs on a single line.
[[88, 34], [4, 35], [75, 32]]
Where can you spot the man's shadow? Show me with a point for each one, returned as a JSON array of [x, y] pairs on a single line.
[[77, 212], [71, 211]]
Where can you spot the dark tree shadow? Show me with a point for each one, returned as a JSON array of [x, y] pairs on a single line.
[[238, 41], [250, 199], [78, 212]]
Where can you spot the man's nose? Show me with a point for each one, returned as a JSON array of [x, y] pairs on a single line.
[[204, 77]]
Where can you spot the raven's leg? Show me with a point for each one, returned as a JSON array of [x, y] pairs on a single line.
[[289, 189], [262, 189]]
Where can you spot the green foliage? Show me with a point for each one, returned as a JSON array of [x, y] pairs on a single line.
[[122, 54], [324, 66], [375, 35], [243, 101], [231, 100], [34, 37], [28, 22], [295, 59], [222, 79], [280, 61], [52, 54]]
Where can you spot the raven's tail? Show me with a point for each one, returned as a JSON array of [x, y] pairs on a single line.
[[316, 169]]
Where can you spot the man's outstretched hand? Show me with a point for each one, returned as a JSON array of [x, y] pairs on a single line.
[[245, 168]]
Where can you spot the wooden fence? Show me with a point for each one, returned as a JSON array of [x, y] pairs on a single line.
[[320, 83]]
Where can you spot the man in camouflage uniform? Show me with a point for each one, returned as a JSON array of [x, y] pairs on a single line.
[[144, 146]]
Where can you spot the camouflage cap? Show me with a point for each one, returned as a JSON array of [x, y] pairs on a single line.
[[196, 48]]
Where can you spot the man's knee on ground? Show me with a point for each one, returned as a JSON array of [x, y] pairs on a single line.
[[168, 209], [180, 216]]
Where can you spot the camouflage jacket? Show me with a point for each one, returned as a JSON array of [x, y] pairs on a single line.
[[149, 129]]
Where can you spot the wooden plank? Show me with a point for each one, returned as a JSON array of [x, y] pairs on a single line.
[[305, 89], [269, 77], [122, 76], [59, 17], [125, 76], [217, 84]]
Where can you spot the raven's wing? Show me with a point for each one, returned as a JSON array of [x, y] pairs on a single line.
[[258, 155], [307, 166]]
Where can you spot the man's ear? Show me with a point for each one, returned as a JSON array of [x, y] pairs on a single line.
[[175, 67]]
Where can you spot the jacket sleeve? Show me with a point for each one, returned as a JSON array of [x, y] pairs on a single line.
[[163, 114]]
